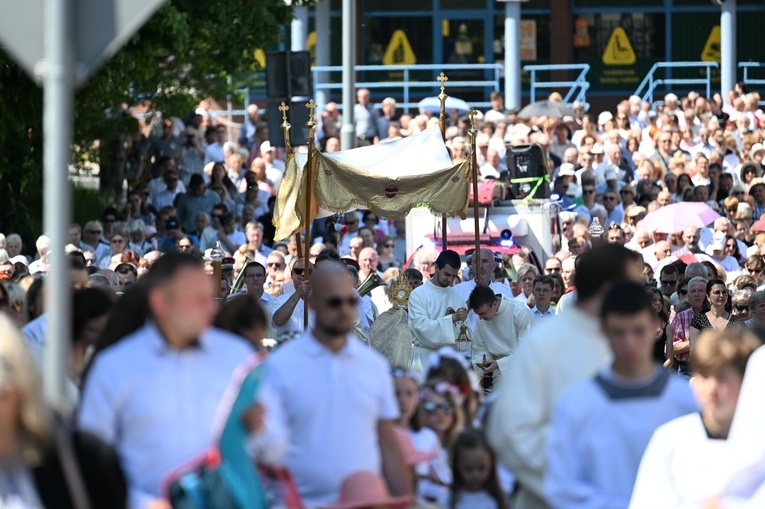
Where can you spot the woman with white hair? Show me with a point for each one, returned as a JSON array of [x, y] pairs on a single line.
[[41, 466]]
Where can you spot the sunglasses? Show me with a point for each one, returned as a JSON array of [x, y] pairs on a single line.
[[274, 264], [741, 309], [669, 283], [299, 271], [337, 302], [390, 245], [683, 291], [432, 408]]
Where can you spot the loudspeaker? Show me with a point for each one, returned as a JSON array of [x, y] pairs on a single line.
[[288, 74], [524, 162], [297, 116]]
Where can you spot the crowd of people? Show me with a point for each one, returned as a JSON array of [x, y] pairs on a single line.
[[560, 385]]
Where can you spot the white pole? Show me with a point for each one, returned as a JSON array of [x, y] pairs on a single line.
[[348, 133], [512, 54], [57, 128], [323, 40], [728, 62], [299, 29]]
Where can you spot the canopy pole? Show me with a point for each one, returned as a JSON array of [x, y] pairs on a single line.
[[473, 132], [284, 108], [311, 105], [442, 122]]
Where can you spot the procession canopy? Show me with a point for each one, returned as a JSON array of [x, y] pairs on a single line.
[[389, 179]]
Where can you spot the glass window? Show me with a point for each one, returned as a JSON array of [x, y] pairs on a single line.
[[645, 32], [397, 5], [378, 33], [707, 4], [463, 4], [611, 3], [542, 38]]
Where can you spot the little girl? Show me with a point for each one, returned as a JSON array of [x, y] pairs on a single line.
[[475, 482]]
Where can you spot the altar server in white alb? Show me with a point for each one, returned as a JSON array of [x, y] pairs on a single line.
[[431, 327], [555, 354], [602, 426], [681, 466], [501, 322], [486, 277]]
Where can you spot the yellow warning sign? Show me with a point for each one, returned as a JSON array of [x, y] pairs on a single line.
[[619, 50], [399, 50], [260, 58], [711, 51], [310, 45]]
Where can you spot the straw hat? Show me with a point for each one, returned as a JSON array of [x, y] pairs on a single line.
[[755, 182], [367, 489]]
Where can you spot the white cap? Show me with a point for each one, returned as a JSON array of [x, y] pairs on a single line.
[[597, 148], [610, 173], [757, 147], [718, 242], [482, 140], [266, 147], [19, 259], [605, 117], [566, 170]]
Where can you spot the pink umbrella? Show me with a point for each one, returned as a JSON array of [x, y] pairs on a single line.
[[677, 217]]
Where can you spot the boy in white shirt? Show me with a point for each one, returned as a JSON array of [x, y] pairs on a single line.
[[602, 426]]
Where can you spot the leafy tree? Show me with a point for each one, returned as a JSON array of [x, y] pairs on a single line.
[[184, 53]]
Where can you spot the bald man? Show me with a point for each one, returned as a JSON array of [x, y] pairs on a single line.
[[346, 420]]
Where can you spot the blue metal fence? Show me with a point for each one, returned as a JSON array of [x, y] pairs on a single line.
[[652, 80], [577, 89]]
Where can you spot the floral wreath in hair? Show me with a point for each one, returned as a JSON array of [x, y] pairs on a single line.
[[443, 389], [434, 361]]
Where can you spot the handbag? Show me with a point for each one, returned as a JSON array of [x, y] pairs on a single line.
[[203, 485]]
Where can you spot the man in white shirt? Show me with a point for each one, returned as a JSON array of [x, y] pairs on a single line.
[[288, 318], [330, 402], [214, 152], [153, 395], [274, 167], [501, 322], [602, 426], [254, 281], [172, 188], [555, 354], [543, 288], [431, 327]]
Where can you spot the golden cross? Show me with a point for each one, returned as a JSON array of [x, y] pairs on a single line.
[[443, 79], [311, 105], [284, 108], [471, 115]]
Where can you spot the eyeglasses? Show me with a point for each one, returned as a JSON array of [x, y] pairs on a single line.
[[337, 302], [668, 283], [741, 309], [300, 271], [683, 291], [118, 241], [275, 264], [390, 245], [609, 198], [432, 408]]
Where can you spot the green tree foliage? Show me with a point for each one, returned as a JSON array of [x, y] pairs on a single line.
[[184, 53]]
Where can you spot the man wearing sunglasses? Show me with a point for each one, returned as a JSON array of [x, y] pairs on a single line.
[[329, 404], [289, 316], [668, 279]]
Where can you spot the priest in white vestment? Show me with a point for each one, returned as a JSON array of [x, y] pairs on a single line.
[[555, 354], [431, 327], [501, 322]]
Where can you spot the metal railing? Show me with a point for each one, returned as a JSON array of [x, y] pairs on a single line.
[[651, 82], [749, 80], [577, 89], [407, 86]]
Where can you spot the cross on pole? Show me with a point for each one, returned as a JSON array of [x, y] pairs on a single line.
[[311, 105], [443, 79], [284, 109], [471, 115]]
